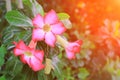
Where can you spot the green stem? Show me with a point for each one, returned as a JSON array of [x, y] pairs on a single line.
[[20, 4], [8, 5]]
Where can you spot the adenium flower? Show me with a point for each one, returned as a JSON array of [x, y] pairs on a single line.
[[46, 27], [29, 55], [71, 48]]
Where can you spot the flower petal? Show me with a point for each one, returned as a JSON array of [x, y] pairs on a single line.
[[18, 52], [32, 44], [21, 45], [38, 34], [23, 59], [70, 55], [50, 39], [58, 28], [74, 46], [27, 59], [79, 42], [51, 17], [39, 54], [38, 21], [36, 64]]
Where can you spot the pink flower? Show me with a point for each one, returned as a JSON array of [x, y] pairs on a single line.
[[73, 47], [29, 55], [46, 27]]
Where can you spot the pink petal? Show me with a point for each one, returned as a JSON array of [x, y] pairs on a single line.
[[70, 55], [21, 45], [38, 21], [74, 46], [79, 42], [27, 59], [18, 52], [58, 28], [38, 34], [39, 54], [51, 17], [36, 64], [32, 44], [50, 39], [22, 59]]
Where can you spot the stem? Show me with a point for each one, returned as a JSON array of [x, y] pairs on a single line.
[[20, 4], [62, 41], [8, 5]]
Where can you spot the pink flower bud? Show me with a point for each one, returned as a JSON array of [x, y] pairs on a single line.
[[72, 48]]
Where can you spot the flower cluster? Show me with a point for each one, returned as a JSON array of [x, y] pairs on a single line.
[[47, 28]]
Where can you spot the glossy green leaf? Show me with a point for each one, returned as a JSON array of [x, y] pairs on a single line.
[[34, 6], [8, 36], [2, 78], [13, 67], [1, 61], [63, 16], [18, 19], [3, 51], [24, 35]]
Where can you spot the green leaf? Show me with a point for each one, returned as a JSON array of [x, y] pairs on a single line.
[[8, 36], [67, 23], [3, 51], [63, 16], [39, 8], [41, 75], [1, 61], [17, 19], [13, 67], [83, 73], [2, 78], [24, 35], [28, 3], [14, 33]]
